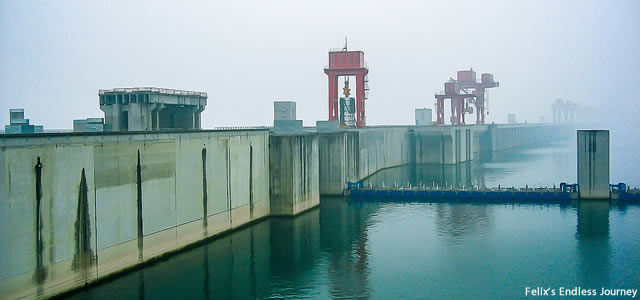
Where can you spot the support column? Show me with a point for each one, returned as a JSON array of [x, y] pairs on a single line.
[[157, 118], [148, 116], [593, 164], [479, 106], [135, 117], [454, 103], [117, 115], [333, 96], [198, 124], [461, 111], [439, 111], [478, 111], [360, 117]]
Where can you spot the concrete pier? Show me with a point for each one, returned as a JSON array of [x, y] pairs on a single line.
[[593, 164], [338, 161], [294, 174]]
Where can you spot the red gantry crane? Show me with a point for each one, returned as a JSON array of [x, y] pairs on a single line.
[[464, 92], [347, 63]]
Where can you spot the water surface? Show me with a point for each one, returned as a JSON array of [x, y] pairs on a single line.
[[382, 250]]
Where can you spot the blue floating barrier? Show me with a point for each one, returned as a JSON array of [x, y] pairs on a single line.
[[626, 196], [464, 194], [638, 196], [382, 193], [564, 196], [369, 194], [436, 194], [520, 195], [395, 194], [506, 195], [534, 196], [356, 193], [548, 196], [492, 195], [449, 194], [422, 194], [477, 194]]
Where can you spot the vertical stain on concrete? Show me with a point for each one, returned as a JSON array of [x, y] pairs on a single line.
[[300, 143], [139, 205], [442, 147], [9, 180], [83, 256], [204, 190], [206, 272], [228, 156], [251, 181], [41, 271], [141, 285], [252, 267]]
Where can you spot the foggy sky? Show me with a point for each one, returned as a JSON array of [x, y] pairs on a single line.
[[55, 55]]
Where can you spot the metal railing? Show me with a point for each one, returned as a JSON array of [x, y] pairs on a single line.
[[240, 127], [153, 90]]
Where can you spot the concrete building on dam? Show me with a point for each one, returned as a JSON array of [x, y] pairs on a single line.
[[148, 108], [18, 124]]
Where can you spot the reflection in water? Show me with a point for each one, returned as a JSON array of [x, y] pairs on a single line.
[[543, 166], [344, 239], [141, 285], [293, 246], [456, 221], [205, 266], [353, 249], [427, 175], [593, 242]]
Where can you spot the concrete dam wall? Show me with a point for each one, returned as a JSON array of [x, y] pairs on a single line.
[[77, 208], [355, 154], [293, 163]]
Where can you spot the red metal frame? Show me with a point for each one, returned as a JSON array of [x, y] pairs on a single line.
[[347, 63], [465, 87], [457, 108]]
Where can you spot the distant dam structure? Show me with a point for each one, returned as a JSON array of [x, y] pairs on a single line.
[[80, 207]]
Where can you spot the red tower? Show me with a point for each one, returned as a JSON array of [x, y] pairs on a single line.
[[347, 63], [463, 92]]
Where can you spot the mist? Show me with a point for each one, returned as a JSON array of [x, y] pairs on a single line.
[[54, 56]]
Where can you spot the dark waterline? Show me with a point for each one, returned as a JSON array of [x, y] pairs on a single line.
[[354, 249]]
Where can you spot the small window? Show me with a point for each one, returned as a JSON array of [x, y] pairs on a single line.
[[355, 61]]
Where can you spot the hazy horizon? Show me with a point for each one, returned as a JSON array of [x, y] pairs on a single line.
[[246, 54]]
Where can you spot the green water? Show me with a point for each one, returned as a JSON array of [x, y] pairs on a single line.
[[382, 250], [351, 249]]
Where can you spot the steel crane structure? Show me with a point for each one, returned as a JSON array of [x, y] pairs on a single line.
[[343, 62], [463, 92]]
